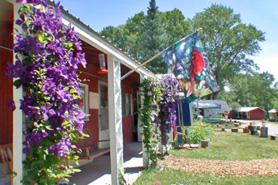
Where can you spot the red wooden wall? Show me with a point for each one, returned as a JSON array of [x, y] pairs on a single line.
[[129, 85], [6, 90], [128, 129], [257, 114], [91, 55]]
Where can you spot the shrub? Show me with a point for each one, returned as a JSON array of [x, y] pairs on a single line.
[[200, 131]]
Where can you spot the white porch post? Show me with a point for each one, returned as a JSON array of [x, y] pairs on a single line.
[[115, 119], [17, 124], [17, 138], [140, 131]]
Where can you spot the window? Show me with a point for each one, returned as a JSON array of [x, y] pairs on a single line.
[[84, 100], [103, 114], [127, 104]]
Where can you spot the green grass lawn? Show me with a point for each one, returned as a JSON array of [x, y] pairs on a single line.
[[171, 177], [233, 146], [223, 146]]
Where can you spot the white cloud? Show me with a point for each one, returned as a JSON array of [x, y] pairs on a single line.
[[267, 59]]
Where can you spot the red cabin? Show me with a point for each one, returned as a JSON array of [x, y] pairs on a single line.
[[252, 113]]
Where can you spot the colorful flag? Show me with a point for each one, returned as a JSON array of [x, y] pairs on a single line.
[[189, 63]]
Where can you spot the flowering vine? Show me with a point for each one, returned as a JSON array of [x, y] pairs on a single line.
[[158, 112], [150, 93], [167, 105], [47, 56]]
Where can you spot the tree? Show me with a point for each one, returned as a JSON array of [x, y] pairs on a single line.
[[263, 91], [175, 26], [151, 40], [252, 90], [134, 26], [116, 36], [275, 99], [162, 29], [228, 42]]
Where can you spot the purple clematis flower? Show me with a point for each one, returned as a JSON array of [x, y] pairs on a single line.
[[46, 72], [47, 111], [11, 104], [15, 70]]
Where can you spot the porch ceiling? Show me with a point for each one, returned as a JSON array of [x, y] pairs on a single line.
[[91, 55], [6, 13]]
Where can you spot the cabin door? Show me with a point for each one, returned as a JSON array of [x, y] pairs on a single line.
[[103, 115]]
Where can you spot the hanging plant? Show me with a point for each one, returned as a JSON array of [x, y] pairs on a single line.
[[167, 106], [150, 93], [47, 56]]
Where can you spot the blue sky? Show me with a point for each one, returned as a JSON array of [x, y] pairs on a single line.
[[263, 14]]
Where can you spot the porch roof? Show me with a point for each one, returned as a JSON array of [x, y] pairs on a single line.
[[93, 38]]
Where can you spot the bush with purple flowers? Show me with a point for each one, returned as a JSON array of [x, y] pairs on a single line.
[[167, 106], [47, 56]]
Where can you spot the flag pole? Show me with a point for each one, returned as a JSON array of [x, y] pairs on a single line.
[[141, 65], [149, 60]]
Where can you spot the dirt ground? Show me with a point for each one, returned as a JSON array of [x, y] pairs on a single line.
[[263, 167]]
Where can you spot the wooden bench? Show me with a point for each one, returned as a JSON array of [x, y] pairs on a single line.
[[6, 156], [91, 151]]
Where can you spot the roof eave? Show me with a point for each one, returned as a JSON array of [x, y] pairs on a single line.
[[90, 36]]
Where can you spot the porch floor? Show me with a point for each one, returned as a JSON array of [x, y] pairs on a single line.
[[98, 171], [4, 178]]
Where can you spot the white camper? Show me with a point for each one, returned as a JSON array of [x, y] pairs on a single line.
[[210, 108]]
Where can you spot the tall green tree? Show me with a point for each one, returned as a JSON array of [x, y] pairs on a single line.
[[252, 90], [151, 40], [134, 27], [143, 36], [175, 26], [116, 35], [264, 92], [228, 41], [126, 36], [241, 90], [275, 99]]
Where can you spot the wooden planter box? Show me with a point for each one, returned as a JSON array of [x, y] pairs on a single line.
[[234, 130], [272, 137], [245, 130], [204, 143], [264, 132], [253, 130]]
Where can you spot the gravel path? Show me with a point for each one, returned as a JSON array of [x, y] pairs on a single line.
[[263, 167]]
